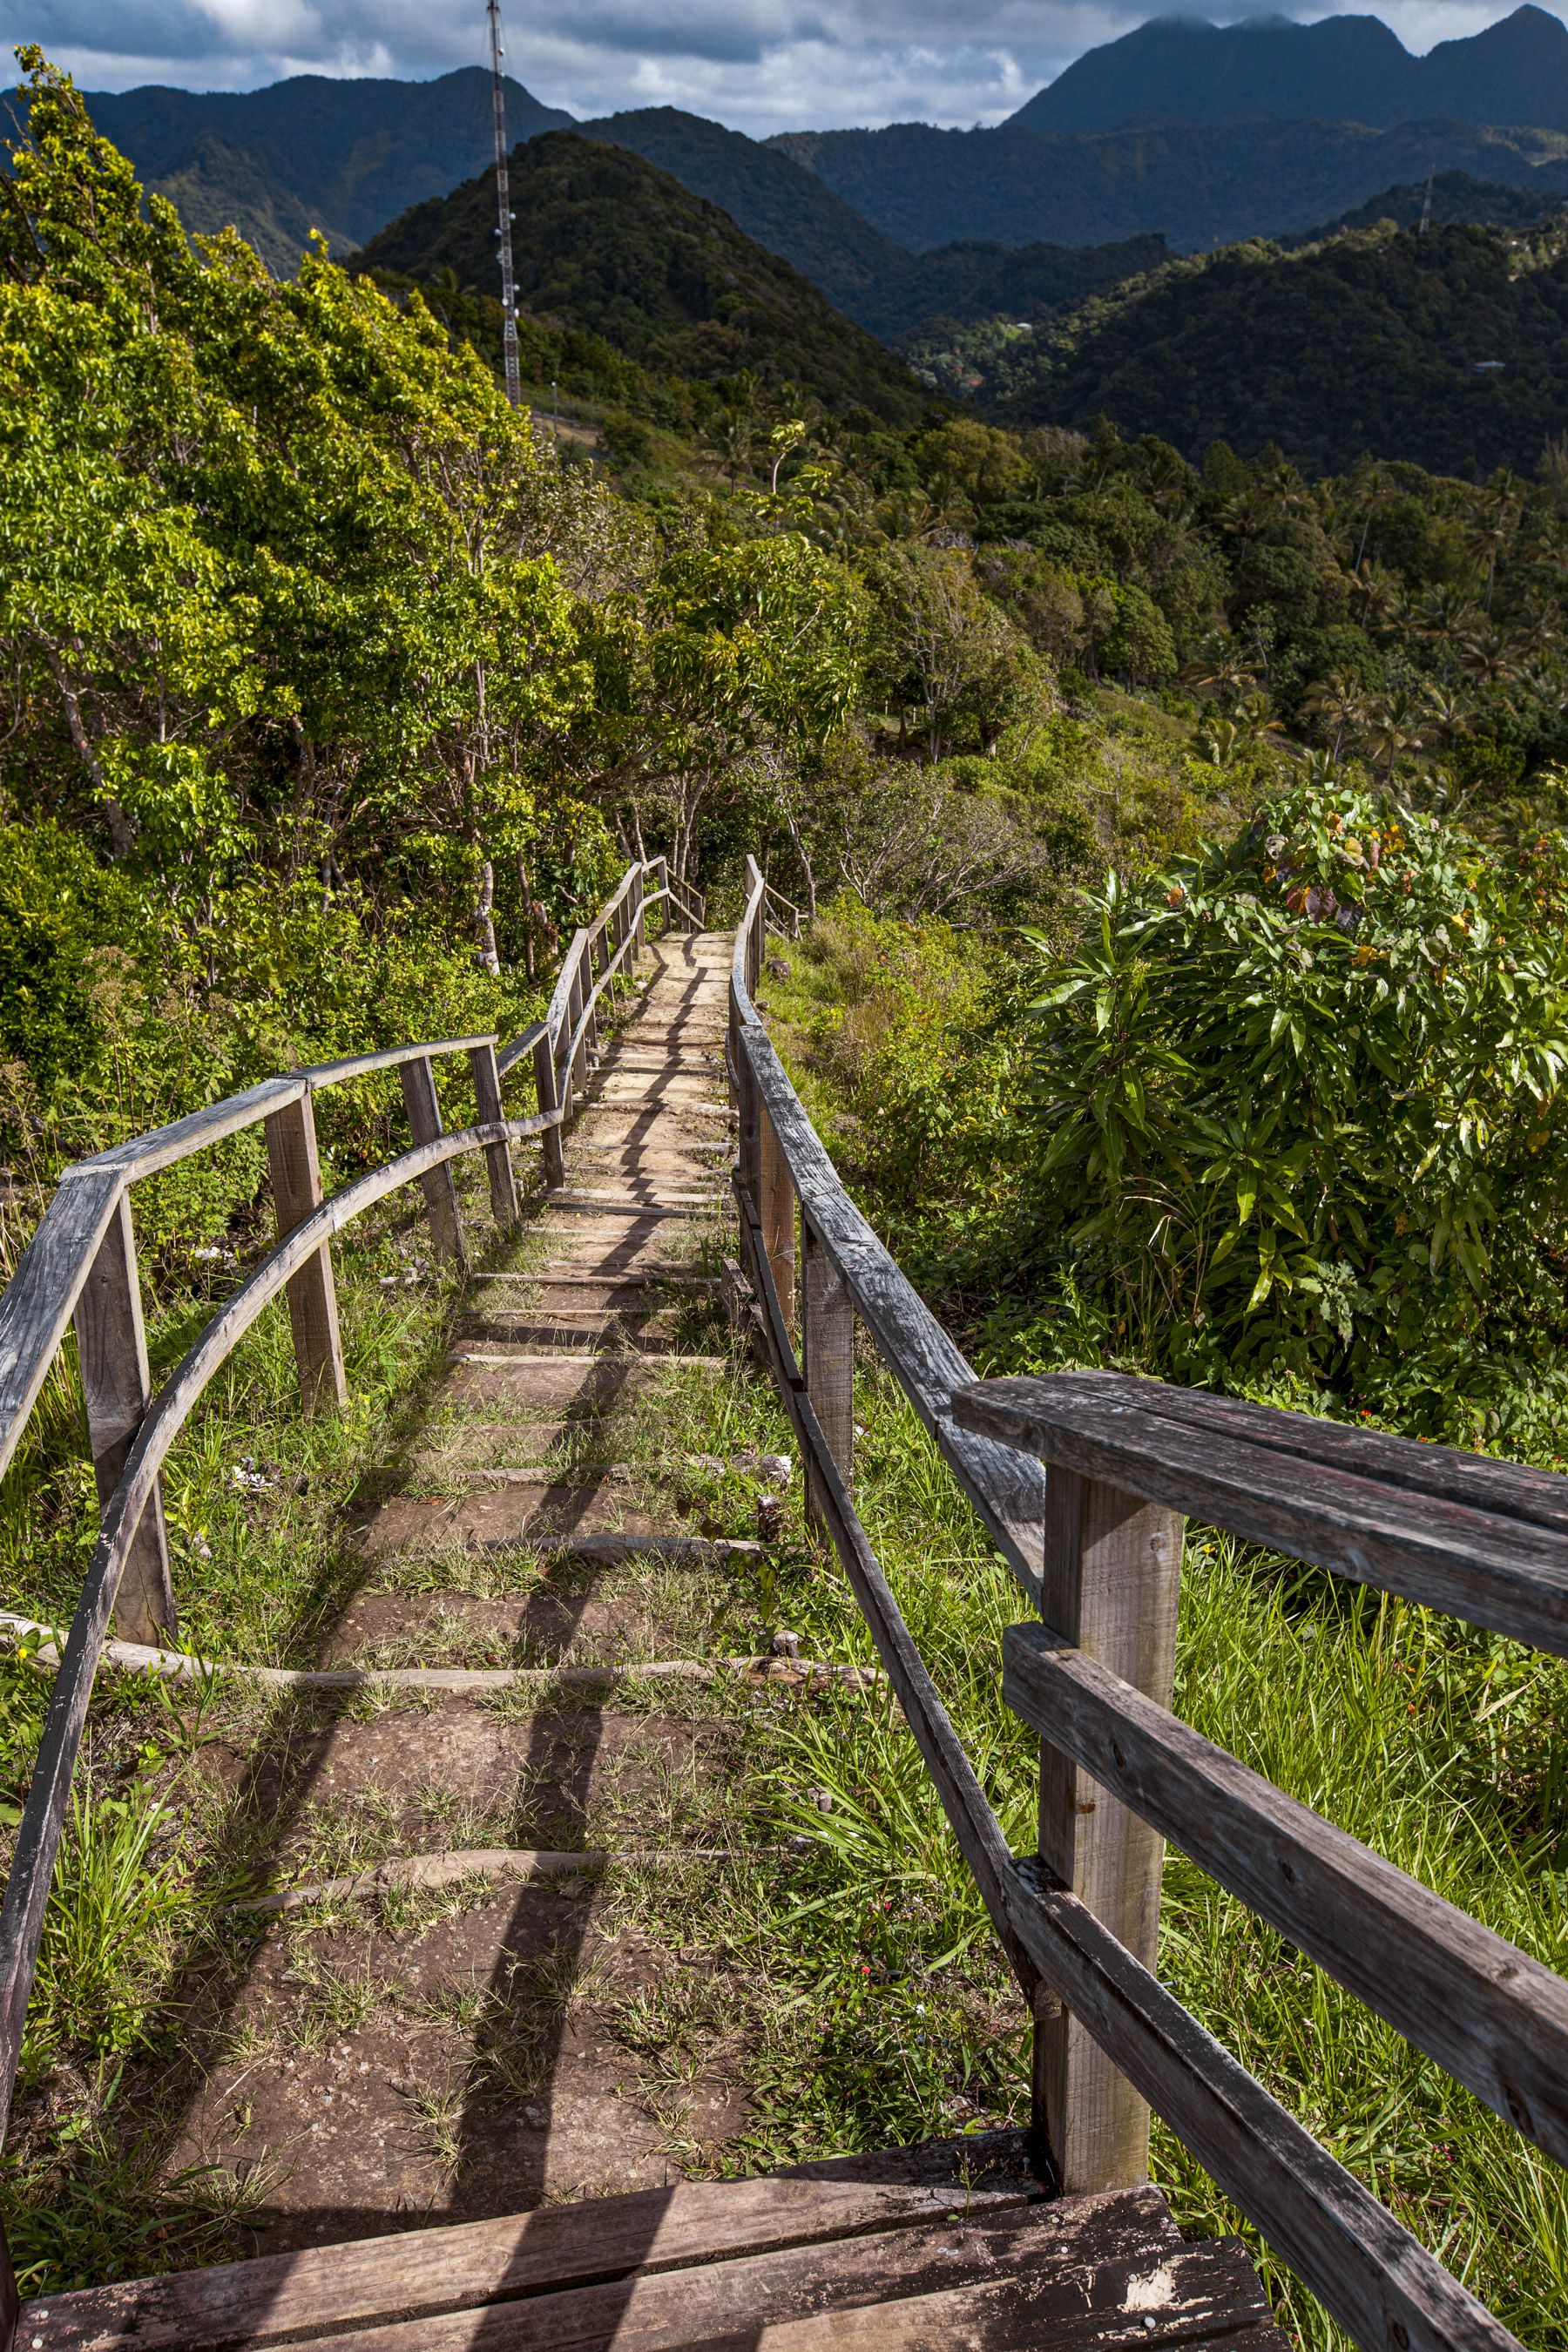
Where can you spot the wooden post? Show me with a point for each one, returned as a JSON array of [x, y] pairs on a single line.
[[544, 1084], [579, 998], [591, 969], [747, 1103], [440, 1192], [828, 1346], [775, 1213], [296, 1170], [498, 1156], [111, 1343], [1112, 1581]]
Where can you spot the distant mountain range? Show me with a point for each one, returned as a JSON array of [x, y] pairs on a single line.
[[1343, 69], [343, 156], [855, 211], [1196, 186]]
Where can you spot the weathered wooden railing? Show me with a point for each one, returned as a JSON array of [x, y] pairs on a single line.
[[1097, 1548], [81, 1264]]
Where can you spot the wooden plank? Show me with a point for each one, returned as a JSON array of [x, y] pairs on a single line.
[[1196, 2296], [318, 1075], [498, 1156], [666, 2310], [549, 1100], [521, 1048], [440, 1192], [41, 1296], [296, 1172], [478, 2262], [828, 1337], [1369, 2273], [111, 1346], [1495, 2018], [144, 1154], [1111, 1577], [1007, 1487], [776, 1216], [1510, 1489], [1494, 1571]]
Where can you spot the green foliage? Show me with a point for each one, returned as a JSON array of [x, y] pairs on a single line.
[[1297, 1100], [1440, 348]]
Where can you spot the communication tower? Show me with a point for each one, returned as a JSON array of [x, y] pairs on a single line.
[[503, 205]]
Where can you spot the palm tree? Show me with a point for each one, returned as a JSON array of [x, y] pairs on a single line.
[[1340, 707]]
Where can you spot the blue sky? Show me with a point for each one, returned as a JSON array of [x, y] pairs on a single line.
[[759, 65]]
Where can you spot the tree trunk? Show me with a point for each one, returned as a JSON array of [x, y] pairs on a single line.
[[484, 920]]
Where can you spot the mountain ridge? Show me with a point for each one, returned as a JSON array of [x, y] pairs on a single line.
[[1179, 69]]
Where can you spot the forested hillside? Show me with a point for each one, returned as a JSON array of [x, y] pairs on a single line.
[[611, 244], [1450, 350], [341, 156]]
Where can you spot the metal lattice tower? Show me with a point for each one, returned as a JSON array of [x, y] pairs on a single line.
[[503, 205]]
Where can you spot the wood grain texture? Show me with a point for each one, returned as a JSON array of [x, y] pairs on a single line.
[[1505, 1572], [776, 1211], [1495, 2018], [827, 1346], [440, 1192], [296, 1172], [1111, 1582], [112, 1347], [521, 1047], [1372, 2276], [41, 1296], [671, 2310], [318, 1075], [498, 1156], [1198, 2296], [437, 2270], [546, 1087]]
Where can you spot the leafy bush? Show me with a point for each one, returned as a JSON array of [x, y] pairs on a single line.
[[1297, 1101]]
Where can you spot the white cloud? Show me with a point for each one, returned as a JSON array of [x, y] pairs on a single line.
[[758, 65]]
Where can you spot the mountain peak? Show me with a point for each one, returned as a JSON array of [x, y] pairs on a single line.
[[1176, 69]]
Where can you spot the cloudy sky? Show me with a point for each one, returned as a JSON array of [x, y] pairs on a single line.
[[759, 65]]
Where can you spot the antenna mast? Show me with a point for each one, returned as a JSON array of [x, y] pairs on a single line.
[[503, 204]]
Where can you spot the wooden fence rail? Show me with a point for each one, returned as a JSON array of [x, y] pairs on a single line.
[[81, 1264], [1095, 1541]]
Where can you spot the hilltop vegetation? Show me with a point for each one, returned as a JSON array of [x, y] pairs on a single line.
[[608, 243], [1447, 350]]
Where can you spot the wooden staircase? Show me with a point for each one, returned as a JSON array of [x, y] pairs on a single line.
[[952, 2245]]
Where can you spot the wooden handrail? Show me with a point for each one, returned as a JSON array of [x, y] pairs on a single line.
[[1099, 1560]]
